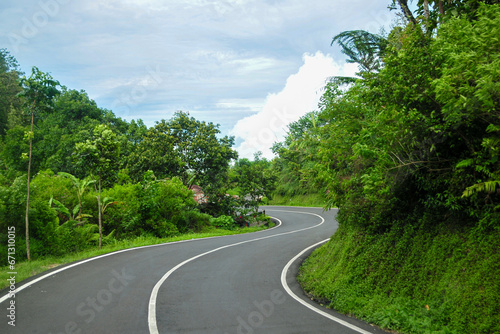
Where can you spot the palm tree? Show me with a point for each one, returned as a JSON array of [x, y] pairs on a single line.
[[363, 48]]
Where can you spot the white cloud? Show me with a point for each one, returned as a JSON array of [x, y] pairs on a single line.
[[300, 95], [254, 105], [217, 58]]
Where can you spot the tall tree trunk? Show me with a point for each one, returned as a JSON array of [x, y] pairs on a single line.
[[100, 213], [407, 12], [28, 192], [426, 9], [441, 9]]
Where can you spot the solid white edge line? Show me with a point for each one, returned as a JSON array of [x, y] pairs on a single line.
[[55, 272], [152, 322], [306, 304]]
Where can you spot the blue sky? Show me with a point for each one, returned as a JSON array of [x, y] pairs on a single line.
[[252, 66]]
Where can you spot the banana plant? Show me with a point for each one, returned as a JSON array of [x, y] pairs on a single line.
[[80, 186], [107, 201], [71, 214]]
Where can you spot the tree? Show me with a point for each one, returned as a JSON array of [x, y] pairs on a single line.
[[99, 155], [188, 149], [435, 12], [204, 157], [362, 48], [154, 151], [469, 90], [9, 89], [39, 90], [406, 11], [422, 134], [254, 179], [295, 166]]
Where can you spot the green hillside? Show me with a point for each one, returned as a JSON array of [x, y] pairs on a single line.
[[410, 154]]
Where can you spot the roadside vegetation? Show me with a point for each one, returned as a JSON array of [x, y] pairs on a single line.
[[408, 151], [306, 200], [410, 154], [76, 181]]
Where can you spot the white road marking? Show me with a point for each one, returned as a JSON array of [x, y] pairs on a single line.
[[152, 322], [54, 272], [306, 304]]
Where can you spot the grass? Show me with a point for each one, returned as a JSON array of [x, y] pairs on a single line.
[[28, 269], [411, 279], [310, 200]]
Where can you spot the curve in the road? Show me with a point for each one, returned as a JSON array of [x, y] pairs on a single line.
[[306, 304], [92, 302], [152, 322], [35, 280]]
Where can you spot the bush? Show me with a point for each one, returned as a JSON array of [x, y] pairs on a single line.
[[13, 210], [43, 226], [224, 222], [192, 221], [124, 215], [45, 185], [163, 228], [73, 237]]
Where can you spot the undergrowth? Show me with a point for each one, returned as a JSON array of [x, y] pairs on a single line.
[[307, 200], [413, 280]]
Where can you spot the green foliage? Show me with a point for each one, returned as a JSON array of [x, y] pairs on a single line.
[[99, 154], [186, 148], [10, 103], [39, 90], [81, 186], [46, 185], [419, 132], [433, 12], [13, 207], [418, 278], [295, 169], [14, 147], [254, 181], [410, 156], [224, 222], [192, 221], [74, 237], [362, 48], [160, 208]]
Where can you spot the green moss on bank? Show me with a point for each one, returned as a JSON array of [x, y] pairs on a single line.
[[307, 200], [414, 280]]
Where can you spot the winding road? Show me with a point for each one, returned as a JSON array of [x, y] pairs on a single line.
[[236, 284]]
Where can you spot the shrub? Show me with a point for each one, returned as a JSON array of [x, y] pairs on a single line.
[[192, 221], [224, 222], [73, 237], [124, 215], [46, 185]]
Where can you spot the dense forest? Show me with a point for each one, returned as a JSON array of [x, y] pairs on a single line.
[[410, 154], [95, 178], [408, 151]]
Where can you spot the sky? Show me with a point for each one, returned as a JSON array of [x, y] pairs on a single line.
[[251, 66]]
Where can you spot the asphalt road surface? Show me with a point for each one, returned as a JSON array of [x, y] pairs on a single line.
[[235, 284]]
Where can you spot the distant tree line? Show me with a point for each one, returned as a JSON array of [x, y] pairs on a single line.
[[74, 175]]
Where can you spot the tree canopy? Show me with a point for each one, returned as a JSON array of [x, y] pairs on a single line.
[[420, 134]]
